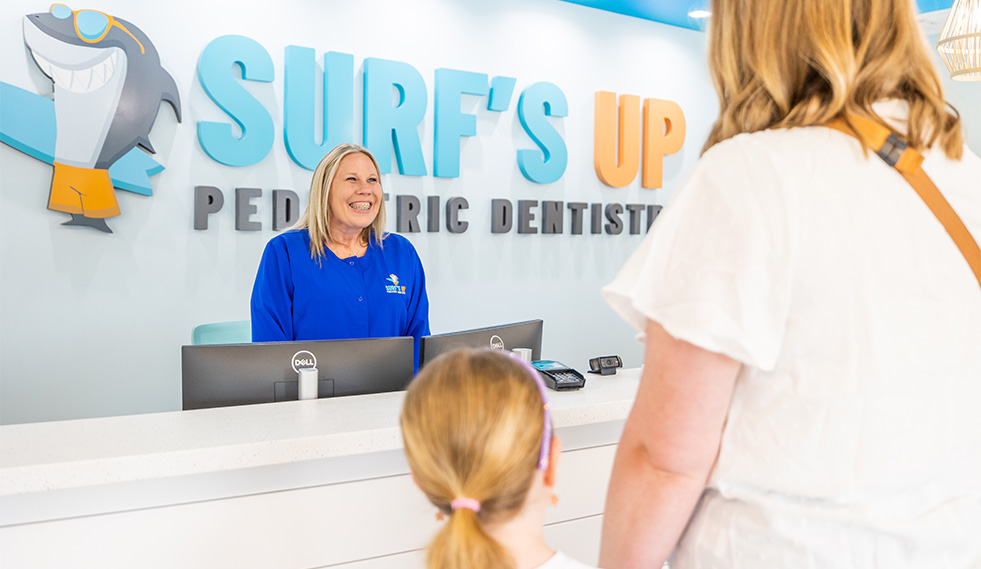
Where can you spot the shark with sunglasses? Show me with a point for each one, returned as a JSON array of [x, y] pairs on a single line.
[[108, 86]]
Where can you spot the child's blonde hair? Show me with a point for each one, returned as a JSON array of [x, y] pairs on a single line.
[[473, 422]]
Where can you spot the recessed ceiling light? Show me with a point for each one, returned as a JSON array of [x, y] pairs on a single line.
[[700, 14]]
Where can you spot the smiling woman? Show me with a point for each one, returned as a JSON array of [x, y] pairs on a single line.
[[354, 204], [336, 274]]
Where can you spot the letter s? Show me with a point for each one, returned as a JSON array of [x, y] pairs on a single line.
[[537, 102], [214, 72]]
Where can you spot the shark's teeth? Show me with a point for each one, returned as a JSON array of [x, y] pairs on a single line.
[[80, 80], [103, 70], [43, 64], [62, 77]]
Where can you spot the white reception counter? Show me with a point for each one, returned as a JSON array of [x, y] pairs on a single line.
[[300, 484]]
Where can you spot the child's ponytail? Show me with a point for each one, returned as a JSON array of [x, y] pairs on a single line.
[[472, 424], [463, 543]]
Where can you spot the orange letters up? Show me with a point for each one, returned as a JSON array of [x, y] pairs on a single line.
[[616, 159]]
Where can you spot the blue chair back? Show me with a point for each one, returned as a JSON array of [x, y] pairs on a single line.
[[235, 332]]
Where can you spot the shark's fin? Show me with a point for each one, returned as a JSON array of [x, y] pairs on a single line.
[[145, 143], [170, 94]]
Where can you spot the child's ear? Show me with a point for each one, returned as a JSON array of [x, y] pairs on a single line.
[[553, 461]]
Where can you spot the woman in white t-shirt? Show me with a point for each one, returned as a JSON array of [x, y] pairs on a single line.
[[812, 377], [478, 438]]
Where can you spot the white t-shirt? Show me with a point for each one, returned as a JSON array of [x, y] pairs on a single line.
[[854, 434], [561, 561]]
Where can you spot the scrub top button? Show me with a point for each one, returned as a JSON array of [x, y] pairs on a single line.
[[352, 263], [360, 299]]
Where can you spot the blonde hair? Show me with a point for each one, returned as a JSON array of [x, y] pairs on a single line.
[[786, 63], [317, 216], [472, 423]]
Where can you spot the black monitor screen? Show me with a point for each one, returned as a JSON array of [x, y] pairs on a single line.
[[505, 337], [241, 374]]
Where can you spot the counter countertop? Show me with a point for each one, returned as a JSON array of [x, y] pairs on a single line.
[[58, 455]]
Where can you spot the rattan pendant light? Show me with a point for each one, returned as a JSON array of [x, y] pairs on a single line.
[[960, 41]]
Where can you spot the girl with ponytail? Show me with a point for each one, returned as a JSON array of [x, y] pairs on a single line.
[[478, 438]]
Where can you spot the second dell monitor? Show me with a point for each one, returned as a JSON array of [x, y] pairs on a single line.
[[508, 337]]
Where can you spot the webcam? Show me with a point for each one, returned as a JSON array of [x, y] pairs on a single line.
[[605, 365]]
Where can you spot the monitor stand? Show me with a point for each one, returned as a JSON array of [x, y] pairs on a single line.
[[290, 390]]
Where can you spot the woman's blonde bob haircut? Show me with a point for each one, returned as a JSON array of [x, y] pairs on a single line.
[[787, 63], [472, 423], [317, 216]]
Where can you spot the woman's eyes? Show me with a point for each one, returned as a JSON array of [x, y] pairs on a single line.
[[371, 179]]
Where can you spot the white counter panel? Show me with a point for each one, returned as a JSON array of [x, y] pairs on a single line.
[[301, 484], [322, 525], [71, 454], [311, 527]]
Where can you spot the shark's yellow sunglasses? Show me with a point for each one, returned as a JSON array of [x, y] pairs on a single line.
[[91, 25]]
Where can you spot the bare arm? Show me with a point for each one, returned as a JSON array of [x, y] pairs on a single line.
[[669, 444]]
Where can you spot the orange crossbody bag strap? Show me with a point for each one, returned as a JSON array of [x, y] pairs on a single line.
[[908, 162]]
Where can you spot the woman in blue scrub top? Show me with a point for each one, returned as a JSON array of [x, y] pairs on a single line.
[[336, 274]]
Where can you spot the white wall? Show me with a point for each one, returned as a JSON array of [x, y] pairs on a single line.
[[92, 324], [965, 96]]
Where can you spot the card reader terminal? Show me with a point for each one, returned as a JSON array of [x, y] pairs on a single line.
[[559, 376]]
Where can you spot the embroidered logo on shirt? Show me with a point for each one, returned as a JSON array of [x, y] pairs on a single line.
[[394, 288]]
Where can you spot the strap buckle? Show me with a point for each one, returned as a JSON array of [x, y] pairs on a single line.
[[892, 149]]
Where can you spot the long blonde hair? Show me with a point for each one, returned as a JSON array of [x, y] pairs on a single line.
[[317, 216], [785, 63], [472, 423]]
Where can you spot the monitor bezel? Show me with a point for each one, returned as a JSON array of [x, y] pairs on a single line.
[[536, 349], [388, 368]]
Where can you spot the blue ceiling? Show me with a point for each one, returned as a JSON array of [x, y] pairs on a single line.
[[675, 12]]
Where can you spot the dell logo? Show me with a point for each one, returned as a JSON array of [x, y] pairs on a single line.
[[302, 360], [496, 343]]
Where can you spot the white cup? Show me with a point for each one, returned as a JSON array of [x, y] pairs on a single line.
[[523, 354], [308, 379]]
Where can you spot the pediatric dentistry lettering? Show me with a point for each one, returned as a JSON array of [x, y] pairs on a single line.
[[392, 128]]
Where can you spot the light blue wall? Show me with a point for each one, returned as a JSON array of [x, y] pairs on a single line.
[[92, 324]]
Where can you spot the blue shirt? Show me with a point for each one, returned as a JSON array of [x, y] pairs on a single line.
[[381, 294]]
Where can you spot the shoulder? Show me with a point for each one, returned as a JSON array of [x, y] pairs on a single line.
[[289, 239], [287, 248], [751, 182], [397, 245], [562, 561], [791, 146], [390, 239], [772, 162], [397, 253]]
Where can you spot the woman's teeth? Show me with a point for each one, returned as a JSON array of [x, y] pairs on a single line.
[[361, 206]]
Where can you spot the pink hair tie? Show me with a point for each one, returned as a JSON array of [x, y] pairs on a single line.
[[466, 503]]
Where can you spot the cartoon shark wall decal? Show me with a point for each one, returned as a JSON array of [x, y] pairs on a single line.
[[108, 86]]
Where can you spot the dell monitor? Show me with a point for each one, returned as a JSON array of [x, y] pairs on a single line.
[[505, 337], [242, 374]]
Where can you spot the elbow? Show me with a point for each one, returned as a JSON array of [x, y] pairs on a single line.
[[661, 462]]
